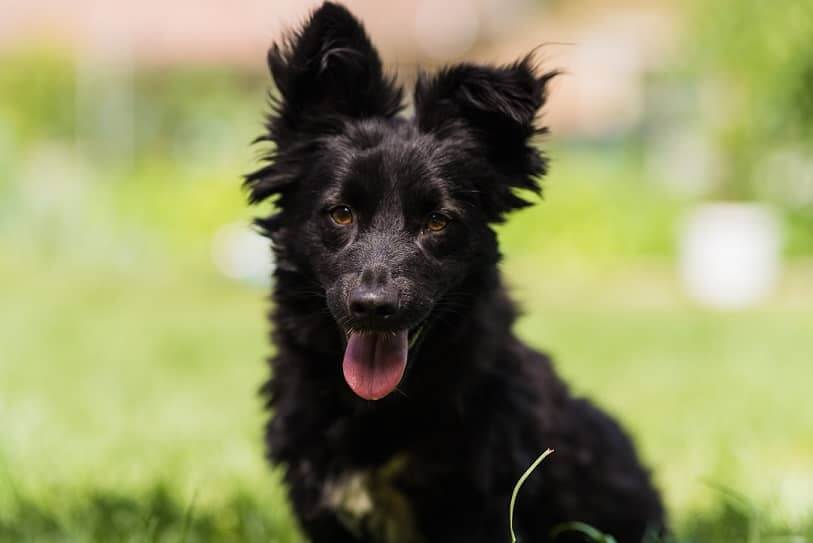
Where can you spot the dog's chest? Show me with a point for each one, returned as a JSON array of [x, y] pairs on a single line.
[[370, 504]]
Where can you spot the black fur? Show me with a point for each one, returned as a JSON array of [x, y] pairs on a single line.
[[436, 459]]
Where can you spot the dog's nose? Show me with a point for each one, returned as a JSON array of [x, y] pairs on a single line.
[[378, 303], [375, 297]]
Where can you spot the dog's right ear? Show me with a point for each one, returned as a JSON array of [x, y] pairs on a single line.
[[325, 73], [330, 68]]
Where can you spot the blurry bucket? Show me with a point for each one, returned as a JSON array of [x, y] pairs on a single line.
[[730, 254]]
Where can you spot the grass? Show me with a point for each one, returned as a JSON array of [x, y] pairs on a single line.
[[128, 411], [517, 486]]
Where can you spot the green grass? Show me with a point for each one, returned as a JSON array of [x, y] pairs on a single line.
[[521, 481], [128, 407]]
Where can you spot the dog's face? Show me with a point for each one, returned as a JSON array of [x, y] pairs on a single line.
[[391, 228], [389, 214]]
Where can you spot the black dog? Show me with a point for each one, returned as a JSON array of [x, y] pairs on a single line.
[[403, 407]]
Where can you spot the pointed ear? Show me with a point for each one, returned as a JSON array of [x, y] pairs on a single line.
[[328, 69], [325, 73], [496, 107]]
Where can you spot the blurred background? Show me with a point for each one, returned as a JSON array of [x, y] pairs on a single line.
[[668, 268]]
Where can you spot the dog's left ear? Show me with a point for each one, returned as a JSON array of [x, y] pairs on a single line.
[[497, 108]]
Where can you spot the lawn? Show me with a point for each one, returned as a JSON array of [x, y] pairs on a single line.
[[129, 412]]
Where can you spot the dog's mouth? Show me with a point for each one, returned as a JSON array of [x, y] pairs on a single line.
[[375, 361]]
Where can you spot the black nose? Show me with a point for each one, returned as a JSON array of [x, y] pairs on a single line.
[[375, 297]]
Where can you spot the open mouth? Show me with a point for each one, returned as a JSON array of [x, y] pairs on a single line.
[[374, 362]]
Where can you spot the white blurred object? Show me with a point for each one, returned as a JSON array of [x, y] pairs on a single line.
[[730, 254], [241, 253]]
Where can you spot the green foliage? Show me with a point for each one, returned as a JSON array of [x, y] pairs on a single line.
[[595, 206], [729, 520], [517, 486], [158, 515], [757, 57], [799, 231], [155, 515], [37, 92], [144, 376], [590, 534], [197, 118]]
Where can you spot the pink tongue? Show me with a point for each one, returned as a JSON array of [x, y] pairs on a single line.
[[374, 363]]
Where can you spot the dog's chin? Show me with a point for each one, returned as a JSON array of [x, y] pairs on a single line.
[[375, 361]]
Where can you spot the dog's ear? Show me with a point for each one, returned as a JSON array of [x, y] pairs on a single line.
[[325, 73], [497, 108], [330, 68]]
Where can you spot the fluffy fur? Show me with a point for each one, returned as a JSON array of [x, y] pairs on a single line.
[[436, 459]]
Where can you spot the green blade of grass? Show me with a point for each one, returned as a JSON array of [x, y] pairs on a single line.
[[592, 534], [517, 486]]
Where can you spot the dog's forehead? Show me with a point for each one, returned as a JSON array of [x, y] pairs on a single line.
[[389, 158]]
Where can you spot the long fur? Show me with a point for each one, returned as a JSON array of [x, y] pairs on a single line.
[[437, 459]]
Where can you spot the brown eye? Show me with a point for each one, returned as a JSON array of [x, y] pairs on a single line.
[[341, 215], [437, 222]]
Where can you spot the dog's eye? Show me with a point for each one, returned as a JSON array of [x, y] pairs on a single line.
[[341, 215], [437, 222]]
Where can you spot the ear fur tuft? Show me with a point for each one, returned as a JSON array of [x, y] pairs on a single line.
[[325, 73], [497, 106]]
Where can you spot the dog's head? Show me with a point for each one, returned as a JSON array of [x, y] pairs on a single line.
[[388, 214]]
